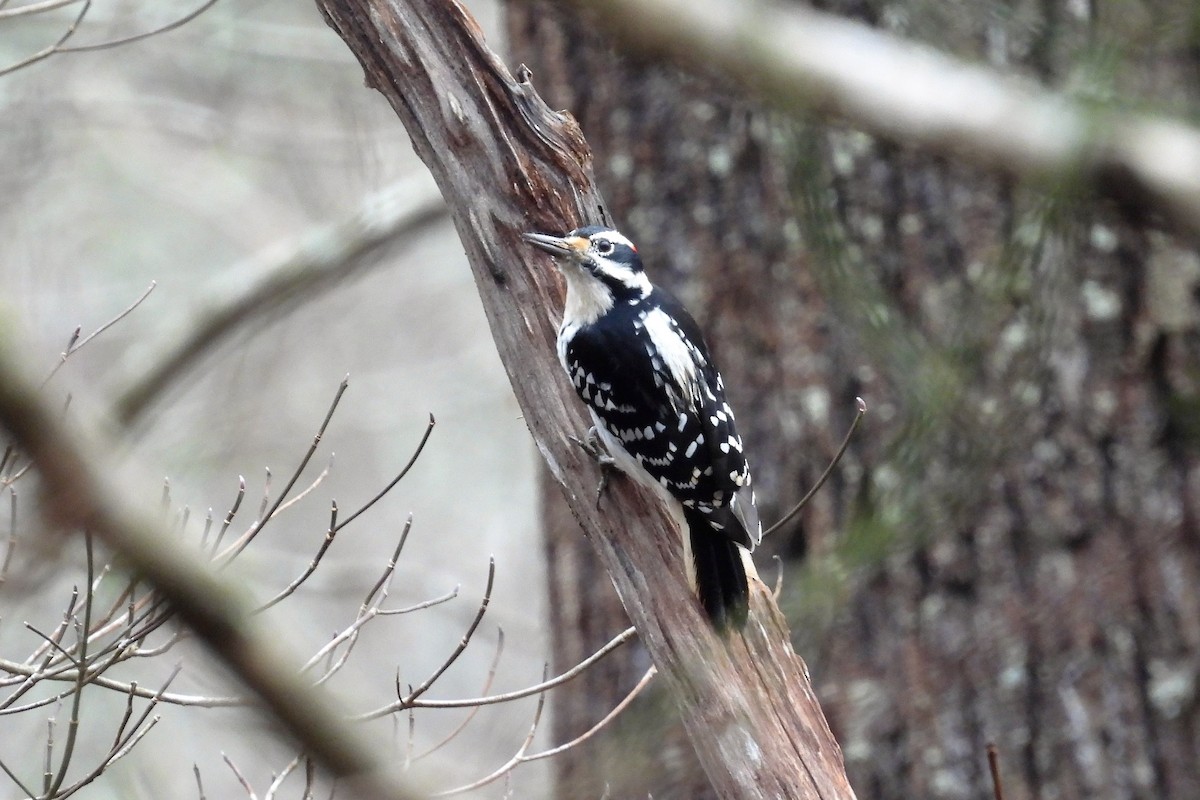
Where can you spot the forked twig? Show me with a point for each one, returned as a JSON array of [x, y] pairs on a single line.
[[312, 564], [511, 763], [520, 756], [412, 460], [487, 686], [861, 409], [283, 774], [266, 516], [487, 700], [76, 344], [609, 717], [137, 37], [406, 701], [49, 50]]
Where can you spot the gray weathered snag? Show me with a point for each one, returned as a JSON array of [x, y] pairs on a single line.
[[507, 164]]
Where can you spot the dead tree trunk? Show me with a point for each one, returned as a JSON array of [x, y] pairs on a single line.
[[507, 164], [697, 175]]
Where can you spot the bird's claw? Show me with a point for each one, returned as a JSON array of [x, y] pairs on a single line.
[[593, 447]]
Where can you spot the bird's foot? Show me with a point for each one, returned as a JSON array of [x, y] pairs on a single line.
[[594, 448]]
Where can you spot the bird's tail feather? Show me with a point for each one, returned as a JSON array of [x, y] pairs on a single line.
[[720, 574]]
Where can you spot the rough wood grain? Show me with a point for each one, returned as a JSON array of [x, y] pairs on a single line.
[[506, 164]]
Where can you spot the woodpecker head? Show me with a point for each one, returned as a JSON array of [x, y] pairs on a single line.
[[596, 260]]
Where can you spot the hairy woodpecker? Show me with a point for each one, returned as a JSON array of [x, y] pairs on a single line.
[[639, 361]]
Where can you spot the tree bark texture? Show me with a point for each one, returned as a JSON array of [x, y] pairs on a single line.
[[507, 164], [1009, 552], [695, 175]]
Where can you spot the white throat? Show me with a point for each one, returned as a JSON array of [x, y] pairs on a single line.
[[587, 298]]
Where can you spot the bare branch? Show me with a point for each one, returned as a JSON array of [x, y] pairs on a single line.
[[137, 37], [487, 686], [324, 259], [312, 565], [29, 9], [406, 702], [275, 784], [241, 778], [794, 57], [86, 496], [860, 410], [81, 637], [412, 460], [603, 723], [510, 764], [46, 52], [265, 516], [233, 509], [487, 700], [76, 344]]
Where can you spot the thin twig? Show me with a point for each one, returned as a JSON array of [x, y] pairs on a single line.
[[137, 37], [487, 687], [233, 509], [508, 766], [861, 409], [993, 757], [76, 344], [88, 496], [52, 49], [241, 778], [406, 702], [592, 731], [267, 516], [367, 611], [312, 564], [275, 784], [412, 460], [487, 700], [101, 681], [81, 639], [28, 9], [13, 777]]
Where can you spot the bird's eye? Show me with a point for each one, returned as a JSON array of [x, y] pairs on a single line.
[[604, 247]]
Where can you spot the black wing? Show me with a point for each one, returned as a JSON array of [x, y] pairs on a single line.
[[685, 437]]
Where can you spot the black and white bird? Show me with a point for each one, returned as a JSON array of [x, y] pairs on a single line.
[[638, 360]]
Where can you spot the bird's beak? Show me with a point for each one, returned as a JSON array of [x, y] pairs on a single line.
[[559, 246]]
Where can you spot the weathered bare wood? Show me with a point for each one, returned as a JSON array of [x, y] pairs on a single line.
[[506, 164]]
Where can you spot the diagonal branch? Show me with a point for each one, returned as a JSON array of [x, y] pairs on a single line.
[[794, 57], [507, 164], [325, 258]]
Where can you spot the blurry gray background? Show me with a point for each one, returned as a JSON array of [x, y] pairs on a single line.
[[174, 160]]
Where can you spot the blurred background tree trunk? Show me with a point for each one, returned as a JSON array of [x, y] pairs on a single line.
[[1008, 553]]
